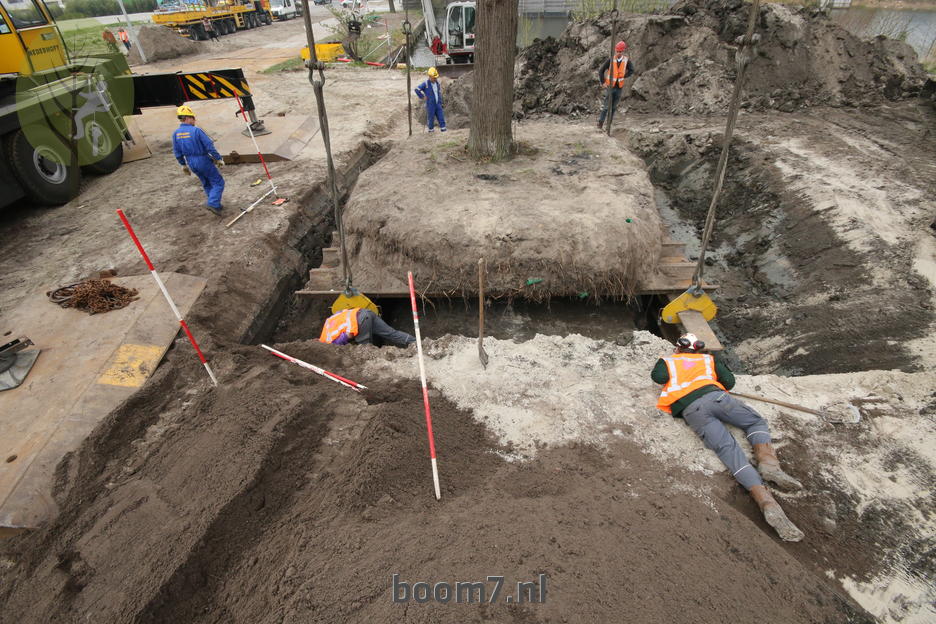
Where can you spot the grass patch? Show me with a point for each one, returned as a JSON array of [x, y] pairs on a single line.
[[293, 64]]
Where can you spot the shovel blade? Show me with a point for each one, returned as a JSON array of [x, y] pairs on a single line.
[[482, 355]]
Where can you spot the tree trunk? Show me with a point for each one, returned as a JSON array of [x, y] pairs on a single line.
[[492, 104], [392, 7]]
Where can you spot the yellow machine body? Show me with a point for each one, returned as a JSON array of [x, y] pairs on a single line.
[[29, 40], [700, 302], [325, 52]]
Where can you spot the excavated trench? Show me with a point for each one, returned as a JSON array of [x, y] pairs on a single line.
[[786, 278]]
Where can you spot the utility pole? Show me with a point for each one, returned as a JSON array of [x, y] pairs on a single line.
[[133, 37]]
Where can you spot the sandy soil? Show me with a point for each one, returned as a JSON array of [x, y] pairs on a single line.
[[280, 497]]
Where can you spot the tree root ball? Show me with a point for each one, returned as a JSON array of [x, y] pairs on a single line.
[[571, 213]]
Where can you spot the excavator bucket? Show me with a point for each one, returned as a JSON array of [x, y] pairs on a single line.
[[692, 299], [352, 298]]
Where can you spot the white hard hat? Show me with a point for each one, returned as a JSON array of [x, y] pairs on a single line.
[[690, 341]]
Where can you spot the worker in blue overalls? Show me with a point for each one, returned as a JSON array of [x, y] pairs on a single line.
[[196, 152], [431, 91]]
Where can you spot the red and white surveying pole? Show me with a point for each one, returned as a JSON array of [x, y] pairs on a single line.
[[425, 390], [262, 162], [315, 369], [162, 287]]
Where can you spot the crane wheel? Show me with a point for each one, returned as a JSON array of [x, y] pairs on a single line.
[[41, 170]]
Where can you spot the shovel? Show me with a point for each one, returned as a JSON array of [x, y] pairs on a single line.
[[482, 354], [848, 414]]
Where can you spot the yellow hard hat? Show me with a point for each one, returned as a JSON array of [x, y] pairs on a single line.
[[184, 111], [433, 72]]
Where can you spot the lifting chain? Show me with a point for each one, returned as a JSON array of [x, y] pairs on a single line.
[[318, 85], [745, 54]]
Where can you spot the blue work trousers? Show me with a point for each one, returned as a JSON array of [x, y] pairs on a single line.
[[209, 176], [433, 112]]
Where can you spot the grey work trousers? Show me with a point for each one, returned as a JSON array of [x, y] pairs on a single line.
[[615, 98], [707, 415], [373, 330]]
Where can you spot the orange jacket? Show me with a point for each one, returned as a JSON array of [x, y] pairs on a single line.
[[617, 72], [344, 322], [687, 372]]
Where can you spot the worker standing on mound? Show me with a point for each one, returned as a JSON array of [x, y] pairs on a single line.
[[431, 91], [196, 152], [364, 327], [695, 388], [620, 67]]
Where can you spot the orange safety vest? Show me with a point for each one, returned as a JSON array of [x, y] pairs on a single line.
[[687, 373], [336, 324], [124, 36], [617, 71]]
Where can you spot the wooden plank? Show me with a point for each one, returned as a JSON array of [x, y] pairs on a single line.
[[693, 322]]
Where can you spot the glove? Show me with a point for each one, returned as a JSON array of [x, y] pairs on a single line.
[[186, 170], [342, 339], [219, 162]]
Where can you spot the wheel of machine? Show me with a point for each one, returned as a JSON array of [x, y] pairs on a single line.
[[251, 21], [231, 26], [194, 33], [41, 170], [267, 19]]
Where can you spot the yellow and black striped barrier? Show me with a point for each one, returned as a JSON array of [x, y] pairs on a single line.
[[211, 86]]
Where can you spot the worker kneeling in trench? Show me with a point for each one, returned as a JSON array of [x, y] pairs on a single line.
[[695, 388], [363, 327]]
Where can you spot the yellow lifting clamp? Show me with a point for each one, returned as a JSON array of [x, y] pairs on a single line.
[[693, 299], [352, 298]]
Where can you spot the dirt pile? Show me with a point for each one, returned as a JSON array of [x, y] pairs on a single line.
[[281, 497], [558, 219], [160, 43], [457, 96], [685, 62]]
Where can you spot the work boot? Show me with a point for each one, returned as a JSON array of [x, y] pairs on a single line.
[[769, 467], [774, 515], [599, 125]]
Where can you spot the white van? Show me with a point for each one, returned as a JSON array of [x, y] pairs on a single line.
[[283, 9]]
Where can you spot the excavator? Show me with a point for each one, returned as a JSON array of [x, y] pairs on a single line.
[[454, 45], [62, 114]]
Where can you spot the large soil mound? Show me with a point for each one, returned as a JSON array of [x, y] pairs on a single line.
[[570, 214], [685, 62], [160, 43]]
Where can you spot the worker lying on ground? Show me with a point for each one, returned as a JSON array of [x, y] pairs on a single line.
[[431, 91], [695, 388], [362, 326], [621, 68], [196, 152]]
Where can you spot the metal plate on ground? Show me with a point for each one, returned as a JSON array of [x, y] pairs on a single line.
[[89, 365], [288, 134]]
